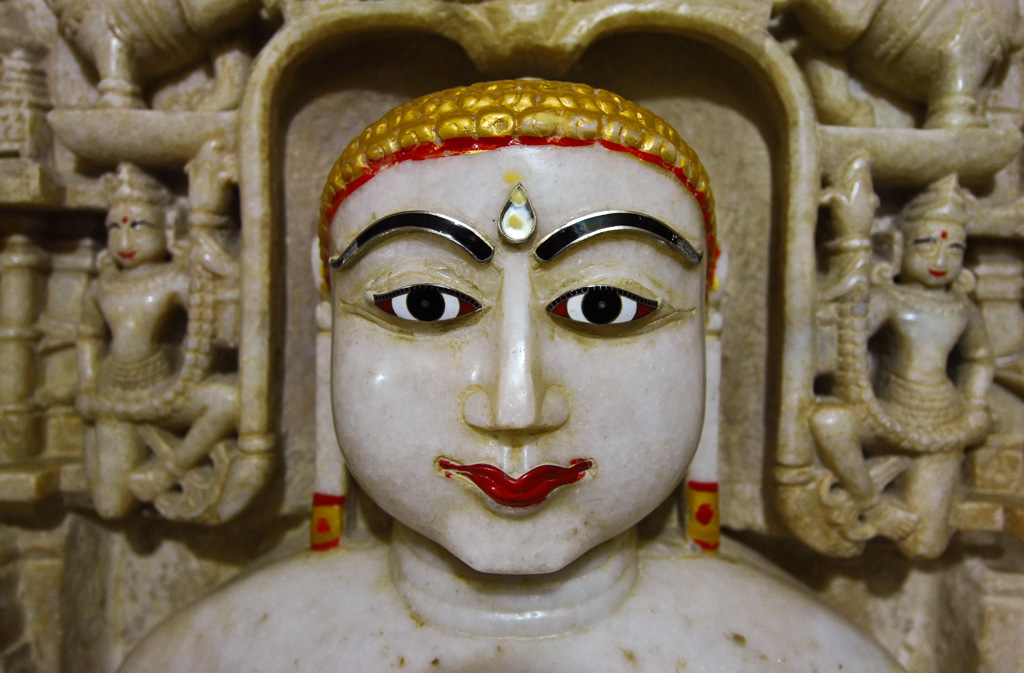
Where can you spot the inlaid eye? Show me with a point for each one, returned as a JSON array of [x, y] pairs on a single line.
[[426, 303], [602, 305]]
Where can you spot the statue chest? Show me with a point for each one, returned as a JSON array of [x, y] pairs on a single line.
[[927, 325]]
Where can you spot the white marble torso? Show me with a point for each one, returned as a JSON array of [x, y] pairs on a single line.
[[683, 613]]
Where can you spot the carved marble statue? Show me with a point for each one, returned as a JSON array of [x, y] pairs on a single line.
[[166, 415], [894, 430], [937, 52], [134, 393], [517, 275]]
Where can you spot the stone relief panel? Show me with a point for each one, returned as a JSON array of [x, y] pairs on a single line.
[[902, 428], [861, 409]]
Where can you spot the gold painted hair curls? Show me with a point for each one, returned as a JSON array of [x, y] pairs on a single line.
[[491, 115]]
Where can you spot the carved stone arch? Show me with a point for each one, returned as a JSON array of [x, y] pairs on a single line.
[[467, 35]]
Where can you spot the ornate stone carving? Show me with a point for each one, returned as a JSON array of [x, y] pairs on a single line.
[[134, 396], [129, 42], [940, 54], [892, 428], [777, 96]]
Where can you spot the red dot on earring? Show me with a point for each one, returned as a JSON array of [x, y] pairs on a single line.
[[945, 235], [124, 220]]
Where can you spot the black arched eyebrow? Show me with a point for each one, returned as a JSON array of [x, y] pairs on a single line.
[[458, 233], [578, 230]]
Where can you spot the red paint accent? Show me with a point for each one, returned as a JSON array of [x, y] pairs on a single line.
[[323, 499], [465, 308], [528, 490], [704, 514], [457, 146], [945, 235], [386, 306], [709, 546], [126, 255], [705, 486], [323, 525], [562, 309], [124, 220], [642, 310], [937, 273], [324, 546]]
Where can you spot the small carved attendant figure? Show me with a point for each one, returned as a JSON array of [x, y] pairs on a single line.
[[913, 415], [517, 272], [135, 393]]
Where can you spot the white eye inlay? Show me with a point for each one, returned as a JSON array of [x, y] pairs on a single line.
[[450, 310], [426, 303], [602, 305]]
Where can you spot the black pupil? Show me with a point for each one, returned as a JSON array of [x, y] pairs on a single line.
[[601, 306], [425, 303]]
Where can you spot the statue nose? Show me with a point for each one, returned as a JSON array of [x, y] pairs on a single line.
[[519, 398]]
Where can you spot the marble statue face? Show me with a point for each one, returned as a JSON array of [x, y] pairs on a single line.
[[135, 235], [518, 412], [933, 252]]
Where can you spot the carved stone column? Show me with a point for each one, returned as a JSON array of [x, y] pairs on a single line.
[[21, 264], [997, 467], [58, 375]]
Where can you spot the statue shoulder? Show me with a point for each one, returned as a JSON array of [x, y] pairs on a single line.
[[737, 609], [275, 616]]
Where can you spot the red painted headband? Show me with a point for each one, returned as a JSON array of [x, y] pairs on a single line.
[[457, 146]]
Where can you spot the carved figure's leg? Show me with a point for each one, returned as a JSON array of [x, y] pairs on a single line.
[[927, 486], [953, 94], [836, 429], [117, 85], [829, 82], [116, 449], [214, 406], [217, 418]]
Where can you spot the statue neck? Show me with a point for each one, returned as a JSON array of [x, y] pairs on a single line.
[[445, 591]]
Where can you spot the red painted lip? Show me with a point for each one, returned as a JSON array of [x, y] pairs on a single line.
[[937, 274], [126, 255], [531, 489]]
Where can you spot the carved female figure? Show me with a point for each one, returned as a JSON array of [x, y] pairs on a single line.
[[913, 413], [134, 391]]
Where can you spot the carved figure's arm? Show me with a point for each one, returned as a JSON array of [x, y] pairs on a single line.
[[878, 309], [212, 256], [976, 350], [91, 330]]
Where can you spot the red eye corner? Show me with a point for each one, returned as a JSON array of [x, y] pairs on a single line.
[[426, 303], [602, 305]]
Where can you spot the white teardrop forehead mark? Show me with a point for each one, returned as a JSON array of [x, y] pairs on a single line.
[[518, 222]]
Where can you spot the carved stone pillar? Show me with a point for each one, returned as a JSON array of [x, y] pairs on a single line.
[[21, 264], [997, 467], [24, 132], [58, 375]]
